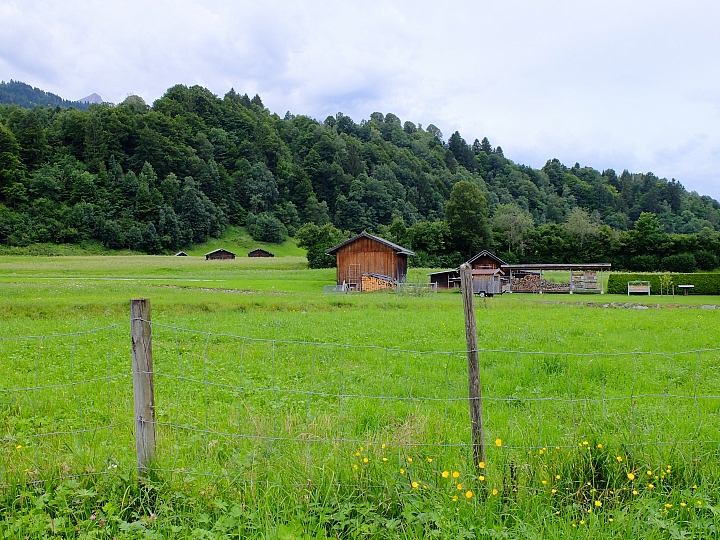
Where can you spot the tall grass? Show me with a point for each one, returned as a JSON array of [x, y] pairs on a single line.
[[269, 437]]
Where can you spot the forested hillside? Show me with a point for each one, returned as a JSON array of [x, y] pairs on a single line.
[[24, 95], [158, 178]]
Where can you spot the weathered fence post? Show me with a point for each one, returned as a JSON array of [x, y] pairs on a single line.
[[143, 387], [475, 392]]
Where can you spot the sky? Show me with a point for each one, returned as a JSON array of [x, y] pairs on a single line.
[[622, 84]]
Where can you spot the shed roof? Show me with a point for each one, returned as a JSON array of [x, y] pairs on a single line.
[[455, 271], [381, 276], [583, 266], [220, 250], [395, 247], [487, 272], [261, 250], [181, 254], [486, 253]]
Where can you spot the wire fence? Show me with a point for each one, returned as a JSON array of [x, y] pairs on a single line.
[[289, 412]]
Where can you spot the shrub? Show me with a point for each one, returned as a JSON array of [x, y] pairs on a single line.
[[681, 262], [644, 263], [266, 228], [706, 260]]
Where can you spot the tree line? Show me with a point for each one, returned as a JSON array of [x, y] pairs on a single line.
[[161, 177]]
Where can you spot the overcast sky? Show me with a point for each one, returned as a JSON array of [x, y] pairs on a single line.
[[631, 84]]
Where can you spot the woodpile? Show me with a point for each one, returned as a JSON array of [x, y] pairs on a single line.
[[533, 284], [374, 282]]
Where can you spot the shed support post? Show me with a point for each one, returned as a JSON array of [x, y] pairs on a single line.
[[143, 385], [474, 384]]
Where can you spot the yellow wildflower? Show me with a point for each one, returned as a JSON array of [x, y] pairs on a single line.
[[631, 476], [445, 474], [498, 442], [468, 494]]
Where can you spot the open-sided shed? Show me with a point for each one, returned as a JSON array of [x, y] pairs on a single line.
[[367, 254]]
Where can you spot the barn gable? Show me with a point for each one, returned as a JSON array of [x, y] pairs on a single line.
[[219, 254], [485, 259], [367, 254], [260, 252]]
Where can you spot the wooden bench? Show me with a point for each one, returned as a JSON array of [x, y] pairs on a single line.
[[638, 287]]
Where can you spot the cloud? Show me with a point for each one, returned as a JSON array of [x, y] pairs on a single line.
[[610, 84]]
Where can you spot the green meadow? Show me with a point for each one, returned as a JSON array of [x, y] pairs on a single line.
[[285, 413]]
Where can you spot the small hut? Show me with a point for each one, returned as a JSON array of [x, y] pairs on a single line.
[[219, 254], [487, 274], [372, 257], [181, 254], [260, 252]]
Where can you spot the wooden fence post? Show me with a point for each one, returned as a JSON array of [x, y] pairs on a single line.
[[143, 386], [475, 391]]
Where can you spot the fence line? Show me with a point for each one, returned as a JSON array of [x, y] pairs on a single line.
[[250, 403]]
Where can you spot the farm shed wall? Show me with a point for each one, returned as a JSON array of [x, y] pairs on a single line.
[[220, 254], [259, 252], [367, 254]]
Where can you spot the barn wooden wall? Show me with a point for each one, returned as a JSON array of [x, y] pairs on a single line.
[[373, 258]]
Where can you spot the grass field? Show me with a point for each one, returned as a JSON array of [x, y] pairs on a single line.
[[277, 420]]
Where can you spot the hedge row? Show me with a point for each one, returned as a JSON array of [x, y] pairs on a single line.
[[705, 283]]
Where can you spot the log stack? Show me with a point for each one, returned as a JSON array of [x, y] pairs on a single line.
[[534, 284]]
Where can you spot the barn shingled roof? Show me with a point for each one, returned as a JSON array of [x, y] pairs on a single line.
[[485, 252], [398, 249], [220, 250]]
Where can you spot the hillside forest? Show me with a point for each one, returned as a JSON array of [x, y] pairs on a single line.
[[159, 178]]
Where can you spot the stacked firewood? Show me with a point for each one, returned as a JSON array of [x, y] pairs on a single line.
[[533, 284]]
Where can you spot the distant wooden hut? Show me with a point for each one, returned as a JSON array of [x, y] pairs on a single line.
[[485, 260], [219, 254], [181, 254], [446, 279], [375, 258], [487, 275], [260, 252]]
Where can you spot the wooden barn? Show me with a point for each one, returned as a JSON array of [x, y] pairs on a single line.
[[372, 257], [219, 254], [260, 252]]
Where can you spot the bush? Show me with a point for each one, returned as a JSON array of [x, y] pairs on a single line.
[[706, 260], [644, 263], [266, 227], [681, 262]]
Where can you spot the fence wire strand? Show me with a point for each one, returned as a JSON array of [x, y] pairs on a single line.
[[261, 398]]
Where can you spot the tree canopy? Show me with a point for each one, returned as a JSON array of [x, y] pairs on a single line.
[[192, 163]]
